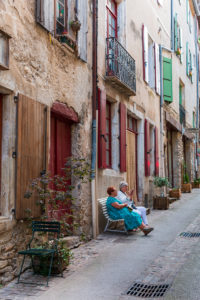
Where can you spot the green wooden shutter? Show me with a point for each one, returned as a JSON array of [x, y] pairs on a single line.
[[167, 79], [180, 94], [187, 60], [175, 33]]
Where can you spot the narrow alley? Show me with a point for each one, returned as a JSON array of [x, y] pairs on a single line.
[[107, 267]]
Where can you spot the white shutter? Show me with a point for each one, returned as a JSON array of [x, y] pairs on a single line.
[[121, 20], [181, 44], [160, 2], [82, 34], [145, 54], [45, 14], [157, 55]]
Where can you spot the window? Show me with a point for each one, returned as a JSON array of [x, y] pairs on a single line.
[[108, 135], [111, 18], [151, 62], [132, 124], [151, 59], [189, 63], [4, 50], [61, 16], [178, 39]]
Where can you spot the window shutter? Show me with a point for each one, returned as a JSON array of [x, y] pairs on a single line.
[[157, 66], [45, 14], [121, 20], [145, 54], [167, 79], [175, 33], [32, 147], [102, 129], [190, 24], [187, 11], [82, 34], [122, 137], [156, 152], [181, 44], [147, 147], [187, 59], [191, 66]]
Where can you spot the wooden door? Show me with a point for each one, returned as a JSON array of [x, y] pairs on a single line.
[[60, 150], [132, 162]]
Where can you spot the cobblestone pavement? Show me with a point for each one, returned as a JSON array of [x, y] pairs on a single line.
[[162, 269]]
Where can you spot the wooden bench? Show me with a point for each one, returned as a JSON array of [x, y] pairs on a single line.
[[102, 201]]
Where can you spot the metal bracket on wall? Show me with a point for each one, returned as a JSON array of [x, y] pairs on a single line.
[[14, 154], [16, 99]]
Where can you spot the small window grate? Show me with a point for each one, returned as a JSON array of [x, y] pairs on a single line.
[[190, 234], [148, 290]]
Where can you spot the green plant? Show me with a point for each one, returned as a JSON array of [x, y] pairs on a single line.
[[186, 178], [197, 181], [161, 181], [55, 194]]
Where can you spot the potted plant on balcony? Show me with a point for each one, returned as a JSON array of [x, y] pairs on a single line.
[[196, 183], [175, 193], [190, 73], [161, 201]]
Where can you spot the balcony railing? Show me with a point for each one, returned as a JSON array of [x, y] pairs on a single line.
[[182, 114], [120, 67]]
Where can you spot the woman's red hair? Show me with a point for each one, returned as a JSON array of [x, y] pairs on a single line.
[[110, 189]]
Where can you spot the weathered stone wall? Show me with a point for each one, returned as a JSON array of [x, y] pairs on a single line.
[[177, 158], [47, 71]]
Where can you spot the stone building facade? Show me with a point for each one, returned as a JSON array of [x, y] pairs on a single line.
[[49, 69], [161, 38]]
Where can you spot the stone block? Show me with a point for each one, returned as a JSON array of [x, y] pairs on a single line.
[[71, 241], [3, 263]]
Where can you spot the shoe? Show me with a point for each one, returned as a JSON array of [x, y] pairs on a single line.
[[147, 230]]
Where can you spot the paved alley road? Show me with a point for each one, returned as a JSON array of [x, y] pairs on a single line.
[[110, 265]]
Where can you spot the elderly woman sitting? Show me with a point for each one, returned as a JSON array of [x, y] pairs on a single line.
[[127, 197], [118, 210]]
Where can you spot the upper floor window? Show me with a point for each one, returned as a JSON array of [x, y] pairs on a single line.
[[178, 39], [4, 51], [111, 18], [61, 16], [189, 63]]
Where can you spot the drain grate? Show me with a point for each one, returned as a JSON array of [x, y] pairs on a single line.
[[190, 234], [148, 290]]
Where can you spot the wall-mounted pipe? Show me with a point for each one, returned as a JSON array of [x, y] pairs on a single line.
[[94, 108]]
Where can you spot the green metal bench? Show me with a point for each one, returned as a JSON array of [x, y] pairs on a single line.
[[41, 226]]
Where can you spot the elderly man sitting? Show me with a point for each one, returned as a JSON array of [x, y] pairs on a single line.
[[127, 197]]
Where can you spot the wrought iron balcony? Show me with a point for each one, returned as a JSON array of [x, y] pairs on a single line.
[[182, 114], [120, 67]]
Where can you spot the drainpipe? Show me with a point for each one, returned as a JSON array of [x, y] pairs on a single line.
[[161, 112], [94, 107], [197, 104], [172, 25]]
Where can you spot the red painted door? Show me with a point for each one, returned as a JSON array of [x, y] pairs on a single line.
[[60, 150]]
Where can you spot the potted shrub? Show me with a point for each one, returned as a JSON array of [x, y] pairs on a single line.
[[186, 186], [178, 51], [196, 183], [161, 201], [56, 198]]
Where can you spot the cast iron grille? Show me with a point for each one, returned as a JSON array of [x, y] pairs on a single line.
[[120, 65], [190, 234], [148, 290]]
